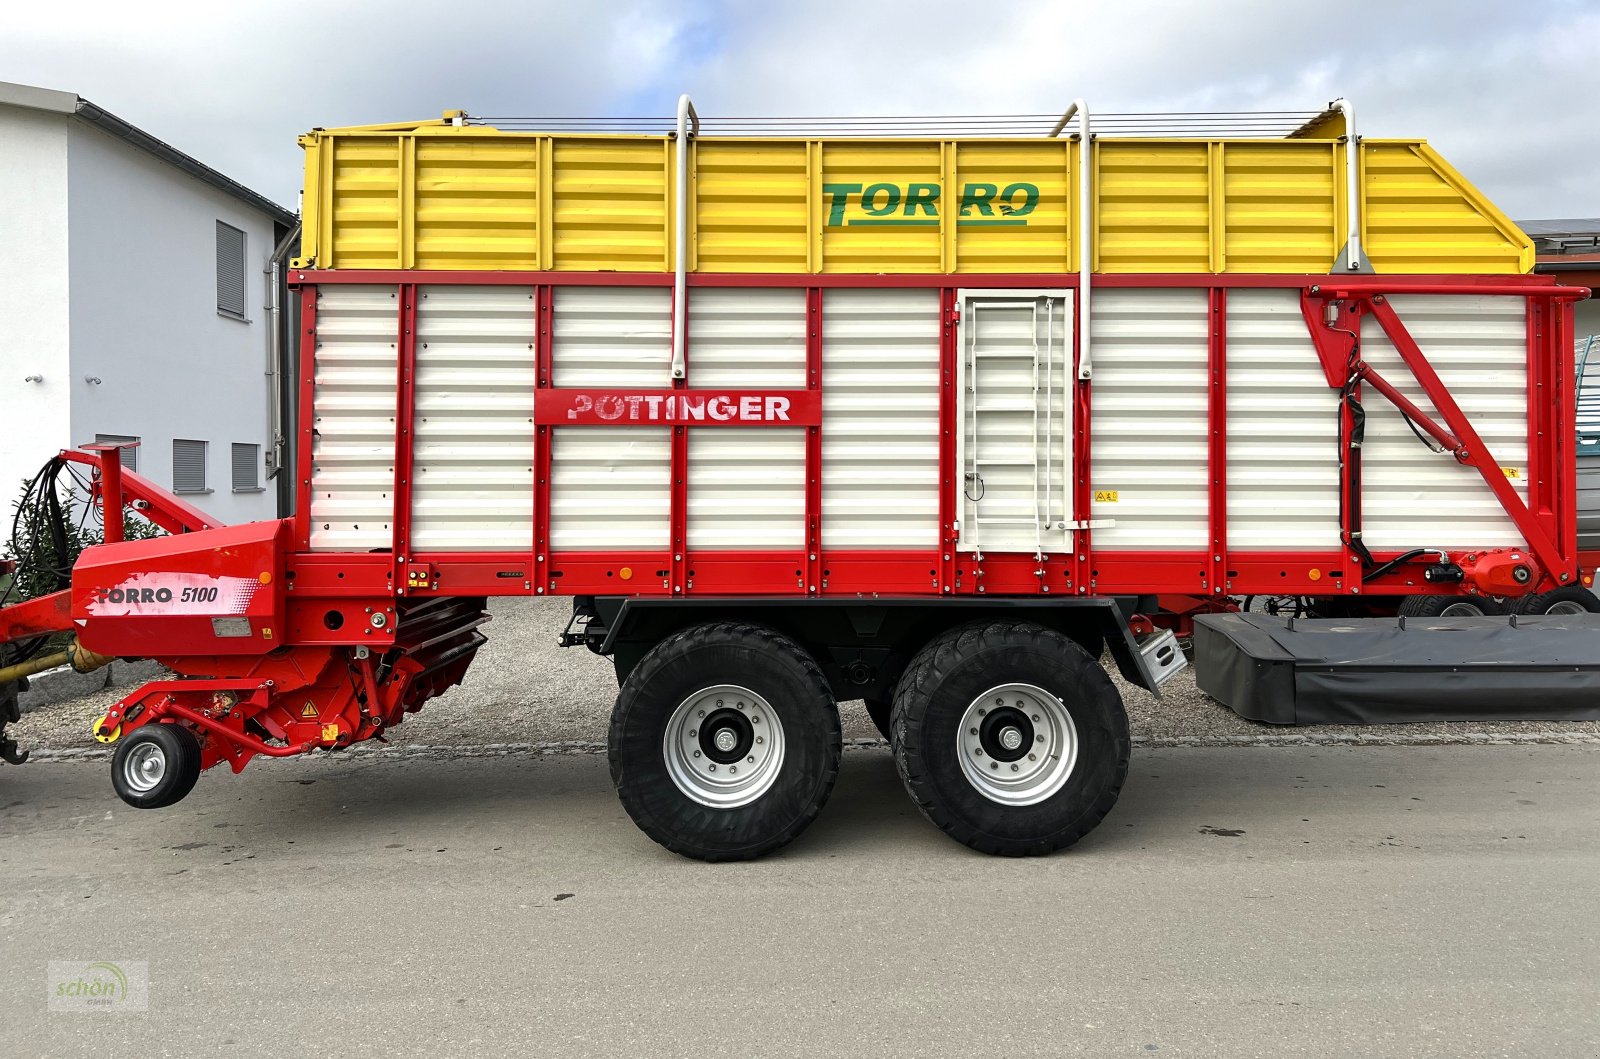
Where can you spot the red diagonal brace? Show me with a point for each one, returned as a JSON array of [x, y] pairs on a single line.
[[1471, 450], [1409, 409]]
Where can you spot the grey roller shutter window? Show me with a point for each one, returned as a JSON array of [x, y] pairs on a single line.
[[246, 468], [188, 466], [130, 457], [230, 271]]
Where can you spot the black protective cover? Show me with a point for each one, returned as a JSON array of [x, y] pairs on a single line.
[[1385, 670]]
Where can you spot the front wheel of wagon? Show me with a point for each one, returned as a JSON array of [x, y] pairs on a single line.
[[1010, 738], [724, 742]]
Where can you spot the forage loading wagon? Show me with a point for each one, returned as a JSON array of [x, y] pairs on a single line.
[[864, 409]]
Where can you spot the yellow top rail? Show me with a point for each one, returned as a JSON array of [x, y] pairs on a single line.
[[453, 196]]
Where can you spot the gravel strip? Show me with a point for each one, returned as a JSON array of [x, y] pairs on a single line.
[[524, 695]]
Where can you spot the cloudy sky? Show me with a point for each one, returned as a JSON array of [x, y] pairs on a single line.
[[1504, 89]]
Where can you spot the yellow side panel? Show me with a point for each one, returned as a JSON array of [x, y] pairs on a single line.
[[881, 206], [365, 187], [1422, 216], [447, 198], [751, 206], [1153, 203], [477, 203], [1281, 206], [610, 204], [1014, 206]]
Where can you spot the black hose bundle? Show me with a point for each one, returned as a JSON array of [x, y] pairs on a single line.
[[45, 543], [44, 546]]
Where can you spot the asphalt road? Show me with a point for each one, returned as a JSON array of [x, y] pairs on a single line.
[[1274, 902]]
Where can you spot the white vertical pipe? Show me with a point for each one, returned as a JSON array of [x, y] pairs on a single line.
[[1352, 176], [1080, 110], [688, 121]]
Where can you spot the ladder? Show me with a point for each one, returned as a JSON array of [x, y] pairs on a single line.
[[1040, 359], [1588, 401]]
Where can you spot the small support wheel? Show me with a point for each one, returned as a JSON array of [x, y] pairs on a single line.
[[156, 765], [1010, 738], [1569, 599], [724, 742], [1448, 607]]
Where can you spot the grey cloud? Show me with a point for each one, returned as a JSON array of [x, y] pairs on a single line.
[[1500, 89]]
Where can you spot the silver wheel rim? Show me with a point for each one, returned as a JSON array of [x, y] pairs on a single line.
[[1462, 610], [1017, 744], [144, 767], [1567, 606], [723, 746]]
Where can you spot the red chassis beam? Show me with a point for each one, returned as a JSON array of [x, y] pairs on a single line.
[[37, 617]]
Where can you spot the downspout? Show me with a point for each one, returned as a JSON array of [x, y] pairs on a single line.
[[275, 352], [1353, 257], [688, 121], [1080, 110]]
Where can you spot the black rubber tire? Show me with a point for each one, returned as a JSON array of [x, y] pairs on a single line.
[[1541, 602], [942, 682], [1435, 606], [182, 751], [770, 665]]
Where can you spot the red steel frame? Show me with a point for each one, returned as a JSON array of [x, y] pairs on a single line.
[[1548, 519]]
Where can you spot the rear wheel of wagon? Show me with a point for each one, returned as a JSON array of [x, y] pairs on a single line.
[[1570, 599], [724, 742], [1010, 738]]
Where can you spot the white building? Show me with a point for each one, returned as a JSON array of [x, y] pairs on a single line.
[[135, 303]]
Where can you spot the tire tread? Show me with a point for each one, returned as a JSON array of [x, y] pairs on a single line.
[[926, 669], [688, 640]]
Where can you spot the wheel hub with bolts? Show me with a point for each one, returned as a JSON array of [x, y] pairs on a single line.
[[144, 767], [723, 746], [1017, 744]]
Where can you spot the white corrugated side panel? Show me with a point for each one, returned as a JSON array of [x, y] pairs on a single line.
[[747, 485], [352, 454], [612, 336], [472, 470], [1283, 429], [1415, 498], [610, 486], [1014, 426], [880, 418], [1149, 426]]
